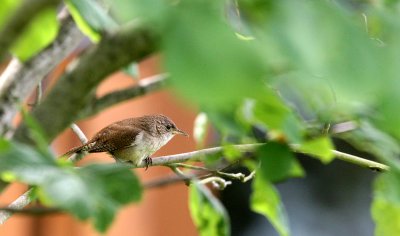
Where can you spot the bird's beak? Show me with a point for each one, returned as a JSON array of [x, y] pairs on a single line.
[[178, 131]]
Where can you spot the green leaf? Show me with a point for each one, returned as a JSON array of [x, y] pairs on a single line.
[[39, 33], [312, 97], [7, 7], [231, 153], [207, 62], [91, 18], [320, 148], [369, 138], [93, 191], [207, 212], [296, 169], [25, 163], [386, 204], [36, 133], [276, 161], [148, 10], [278, 117], [265, 200]]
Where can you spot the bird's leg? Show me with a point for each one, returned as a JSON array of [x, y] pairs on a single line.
[[148, 162]]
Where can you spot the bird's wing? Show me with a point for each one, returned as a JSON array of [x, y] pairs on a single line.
[[113, 138]]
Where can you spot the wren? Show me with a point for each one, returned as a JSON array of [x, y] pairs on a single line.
[[132, 140]]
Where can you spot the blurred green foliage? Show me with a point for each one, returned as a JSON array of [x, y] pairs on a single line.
[[208, 214], [39, 33], [283, 71], [94, 191]]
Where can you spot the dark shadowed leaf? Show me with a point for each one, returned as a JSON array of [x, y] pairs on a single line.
[[276, 161]]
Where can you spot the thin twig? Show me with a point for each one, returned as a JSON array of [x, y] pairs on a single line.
[[39, 92], [360, 161], [32, 210], [20, 78], [217, 182], [190, 167], [199, 156], [82, 137], [143, 87]]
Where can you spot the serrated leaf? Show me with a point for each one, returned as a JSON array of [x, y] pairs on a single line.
[[39, 33], [91, 18], [265, 200], [320, 148], [276, 161], [207, 212], [386, 204]]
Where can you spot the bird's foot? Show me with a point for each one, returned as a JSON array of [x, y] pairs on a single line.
[[148, 161]]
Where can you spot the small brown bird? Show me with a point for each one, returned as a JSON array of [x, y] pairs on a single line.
[[132, 140]]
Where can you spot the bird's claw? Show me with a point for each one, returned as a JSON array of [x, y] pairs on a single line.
[[148, 161]]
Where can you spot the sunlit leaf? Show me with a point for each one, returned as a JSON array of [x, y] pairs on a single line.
[[386, 204], [7, 7], [39, 33], [320, 148], [207, 212], [265, 200]]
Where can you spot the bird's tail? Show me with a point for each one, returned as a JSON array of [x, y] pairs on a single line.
[[78, 149]]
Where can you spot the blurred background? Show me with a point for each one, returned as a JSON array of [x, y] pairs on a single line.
[[332, 199], [312, 64]]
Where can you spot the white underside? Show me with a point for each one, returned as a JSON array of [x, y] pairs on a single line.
[[144, 146]]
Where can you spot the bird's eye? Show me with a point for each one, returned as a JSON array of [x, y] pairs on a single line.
[[168, 127]]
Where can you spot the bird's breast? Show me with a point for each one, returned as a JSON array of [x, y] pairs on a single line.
[[143, 146]]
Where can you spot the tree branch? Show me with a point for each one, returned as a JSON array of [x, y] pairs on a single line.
[[143, 87], [360, 161], [19, 203], [19, 79], [201, 154], [130, 42], [16, 24], [216, 177]]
